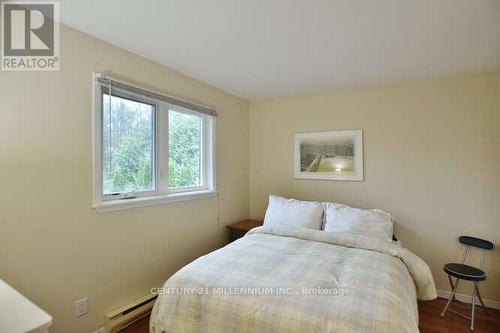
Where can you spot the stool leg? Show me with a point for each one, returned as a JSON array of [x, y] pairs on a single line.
[[451, 285], [476, 287], [452, 296], [473, 308]]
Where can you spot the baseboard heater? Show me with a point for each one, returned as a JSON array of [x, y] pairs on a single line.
[[129, 314]]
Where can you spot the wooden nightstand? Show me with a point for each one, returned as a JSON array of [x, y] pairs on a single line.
[[239, 229]]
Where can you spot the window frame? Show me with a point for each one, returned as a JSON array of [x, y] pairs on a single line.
[[162, 192]]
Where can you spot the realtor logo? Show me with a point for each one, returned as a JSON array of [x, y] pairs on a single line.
[[30, 38]]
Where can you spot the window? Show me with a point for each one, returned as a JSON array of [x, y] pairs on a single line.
[[184, 149], [149, 148], [128, 130]]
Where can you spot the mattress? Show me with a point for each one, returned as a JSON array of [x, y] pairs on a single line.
[[284, 279]]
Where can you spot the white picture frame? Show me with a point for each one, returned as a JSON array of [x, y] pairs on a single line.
[[331, 155]]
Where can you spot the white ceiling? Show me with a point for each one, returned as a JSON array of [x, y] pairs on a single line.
[[259, 49]]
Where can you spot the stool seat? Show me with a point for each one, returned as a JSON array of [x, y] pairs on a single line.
[[464, 272]]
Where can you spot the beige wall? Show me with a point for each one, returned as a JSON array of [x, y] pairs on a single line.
[[54, 247], [432, 159]]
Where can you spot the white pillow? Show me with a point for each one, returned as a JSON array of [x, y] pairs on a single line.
[[308, 214], [372, 223]]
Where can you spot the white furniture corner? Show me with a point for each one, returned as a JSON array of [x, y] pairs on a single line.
[[19, 315]]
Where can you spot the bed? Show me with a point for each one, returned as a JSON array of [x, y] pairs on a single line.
[[293, 279]]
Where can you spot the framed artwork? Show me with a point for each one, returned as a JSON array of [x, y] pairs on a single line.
[[333, 155]]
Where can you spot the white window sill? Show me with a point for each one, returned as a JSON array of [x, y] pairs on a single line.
[[112, 205]]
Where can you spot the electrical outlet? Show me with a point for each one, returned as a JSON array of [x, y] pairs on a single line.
[[82, 306]]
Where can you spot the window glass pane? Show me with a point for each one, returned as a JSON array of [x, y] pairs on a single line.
[[128, 145], [184, 149]]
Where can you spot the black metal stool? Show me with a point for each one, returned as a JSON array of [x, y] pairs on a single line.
[[461, 271]]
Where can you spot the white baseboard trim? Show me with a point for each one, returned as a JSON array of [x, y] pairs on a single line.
[[468, 299]]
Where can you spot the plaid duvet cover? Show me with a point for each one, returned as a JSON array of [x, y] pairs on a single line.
[[282, 279]]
